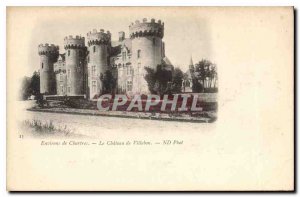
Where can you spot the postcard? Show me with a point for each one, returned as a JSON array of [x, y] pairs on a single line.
[[150, 98]]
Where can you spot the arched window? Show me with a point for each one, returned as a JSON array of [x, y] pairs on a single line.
[[42, 65], [68, 52], [139, 54], [94, 49]]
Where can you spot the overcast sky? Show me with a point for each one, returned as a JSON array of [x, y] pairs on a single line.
[[186, 33]]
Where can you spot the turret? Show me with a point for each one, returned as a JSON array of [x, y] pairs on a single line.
[[147, 50], [48, 56], [75, 55], [145, 28], [98, 44]]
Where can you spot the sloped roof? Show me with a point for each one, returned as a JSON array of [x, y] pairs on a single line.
[[168, 64], [167, 61], [118, 45], [62, 57]]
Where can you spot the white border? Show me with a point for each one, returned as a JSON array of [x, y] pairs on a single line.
[[5, 3]]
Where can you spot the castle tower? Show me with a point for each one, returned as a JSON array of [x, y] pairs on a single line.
[[98, 43], [147, 50], [48, 56], [75, 55]]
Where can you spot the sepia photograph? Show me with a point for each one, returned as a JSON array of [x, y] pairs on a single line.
[[122, 75]]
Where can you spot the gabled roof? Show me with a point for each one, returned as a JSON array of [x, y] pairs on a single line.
[[62, 57], [117, 46]]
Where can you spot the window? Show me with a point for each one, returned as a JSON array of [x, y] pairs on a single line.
[[153, 40], [88, 59], [123, 56], [93, 70], [62, 88], [139, 54], [42, 65], [129, 85], [69, 74], [68, 52], [61, 77], [93, 86], [94, 49], [69, 89]]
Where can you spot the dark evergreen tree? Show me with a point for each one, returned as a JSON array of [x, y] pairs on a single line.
[[164, 81]]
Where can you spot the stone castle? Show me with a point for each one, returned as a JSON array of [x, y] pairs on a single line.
[[81, 68]]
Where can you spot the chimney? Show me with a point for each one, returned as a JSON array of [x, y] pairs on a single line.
[[121, 35]]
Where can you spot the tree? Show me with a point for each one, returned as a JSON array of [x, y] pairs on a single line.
[[214, 75], [204, 75], [150, 77], [211, 75], [158, 80], [108, 82], [162, 81], [30, 86], [35, 83], [25, 88], [177, 78], [197, 86]]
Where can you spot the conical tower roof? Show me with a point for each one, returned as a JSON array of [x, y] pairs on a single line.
[[191, 61]]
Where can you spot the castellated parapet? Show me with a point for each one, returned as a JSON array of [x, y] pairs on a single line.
[[98, 37], [44, 49], [75, 59], [76, 42], [145, 28], [48, 56], [98, 45]]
